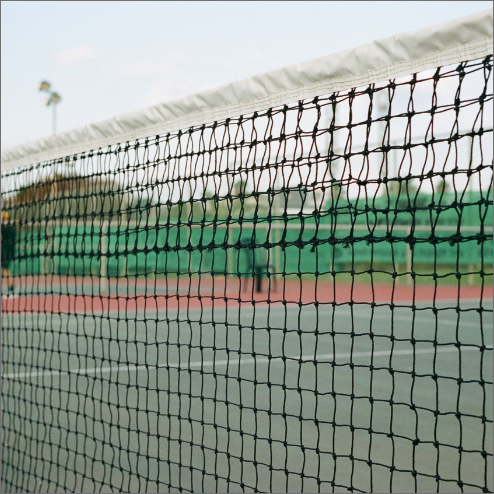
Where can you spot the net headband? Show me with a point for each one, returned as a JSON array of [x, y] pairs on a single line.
[[468, 38]]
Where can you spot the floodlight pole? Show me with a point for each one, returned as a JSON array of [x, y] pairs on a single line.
[[54, 99], [54, 119]]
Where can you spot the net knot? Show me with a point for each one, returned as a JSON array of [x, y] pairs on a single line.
[[433, 239], [389, 237], [481, 237], [455, 239], [410, 240], [348, 241]]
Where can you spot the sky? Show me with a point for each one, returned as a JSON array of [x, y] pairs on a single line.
[[108, 58]]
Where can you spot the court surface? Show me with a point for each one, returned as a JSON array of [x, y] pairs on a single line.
[[83, 295], [148, 394]]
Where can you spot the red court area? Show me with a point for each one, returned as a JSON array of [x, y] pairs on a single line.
[[56, 294]]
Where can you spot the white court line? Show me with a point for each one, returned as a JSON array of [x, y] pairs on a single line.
[[347, 313], [244, 361], [424, 321]]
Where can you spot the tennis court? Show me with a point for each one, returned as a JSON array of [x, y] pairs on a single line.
[[224, 396], [280, 285]]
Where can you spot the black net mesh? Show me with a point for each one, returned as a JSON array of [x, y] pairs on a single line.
[[295, 300]]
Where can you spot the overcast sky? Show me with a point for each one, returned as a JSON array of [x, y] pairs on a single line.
[[108, 58]]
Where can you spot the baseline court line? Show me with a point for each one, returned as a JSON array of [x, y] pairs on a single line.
[[236, 361], [339, 314]]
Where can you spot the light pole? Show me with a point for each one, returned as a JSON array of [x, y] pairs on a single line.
[[54, 99]]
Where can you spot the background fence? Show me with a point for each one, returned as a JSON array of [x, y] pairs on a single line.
[[333, 239]]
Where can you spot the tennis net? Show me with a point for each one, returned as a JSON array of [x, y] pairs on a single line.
[[293, 298]]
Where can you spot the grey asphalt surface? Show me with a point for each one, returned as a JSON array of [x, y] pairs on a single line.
[[155, 402]]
